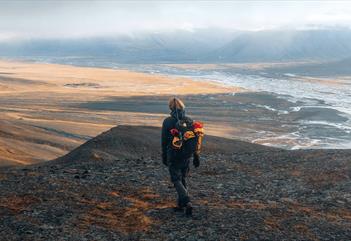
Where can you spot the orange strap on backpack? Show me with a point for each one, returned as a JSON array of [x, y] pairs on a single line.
[[199, 131]]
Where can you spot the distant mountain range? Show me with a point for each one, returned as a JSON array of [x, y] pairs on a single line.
[[286, 45], [201, 46]]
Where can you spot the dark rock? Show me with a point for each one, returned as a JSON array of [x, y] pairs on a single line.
[[124, 193]]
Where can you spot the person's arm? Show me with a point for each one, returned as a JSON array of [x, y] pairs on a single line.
[[164, 141]]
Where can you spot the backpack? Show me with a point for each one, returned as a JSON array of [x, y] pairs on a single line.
[[187, 138]]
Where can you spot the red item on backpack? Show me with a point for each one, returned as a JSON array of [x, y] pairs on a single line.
[[198, 124], [174, 132]]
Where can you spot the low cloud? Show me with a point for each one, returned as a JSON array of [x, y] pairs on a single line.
[[96, 18]]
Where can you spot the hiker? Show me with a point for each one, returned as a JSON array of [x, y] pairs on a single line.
[[181, 141]]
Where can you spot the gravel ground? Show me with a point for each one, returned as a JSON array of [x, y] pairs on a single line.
[[114, 187]]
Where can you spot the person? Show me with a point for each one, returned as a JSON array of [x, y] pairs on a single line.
[[178, 162]]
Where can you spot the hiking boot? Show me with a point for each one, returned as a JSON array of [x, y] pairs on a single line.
[[189, 210], [178, 209]]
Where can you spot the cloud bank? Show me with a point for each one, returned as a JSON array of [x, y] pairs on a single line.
[[46, 19]]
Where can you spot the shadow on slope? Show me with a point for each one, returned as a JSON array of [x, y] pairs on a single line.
[[138, 142]]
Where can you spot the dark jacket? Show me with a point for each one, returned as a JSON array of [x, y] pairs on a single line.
[[166, 137]]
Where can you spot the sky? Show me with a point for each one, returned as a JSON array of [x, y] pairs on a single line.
[[79, 18]]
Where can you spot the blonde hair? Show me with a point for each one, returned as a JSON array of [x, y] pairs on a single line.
[[176, 103]]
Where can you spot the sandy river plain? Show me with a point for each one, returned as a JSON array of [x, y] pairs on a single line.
[[44, 111]]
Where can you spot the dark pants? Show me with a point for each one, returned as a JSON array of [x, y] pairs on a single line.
[[179, 171]]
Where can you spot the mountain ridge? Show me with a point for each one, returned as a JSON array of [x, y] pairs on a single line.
[[241, 191], [200, 46]]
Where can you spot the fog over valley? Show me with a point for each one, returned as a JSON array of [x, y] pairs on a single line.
[[198, 46]]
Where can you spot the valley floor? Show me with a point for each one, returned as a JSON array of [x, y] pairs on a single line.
[[41, 106], [46, 110]]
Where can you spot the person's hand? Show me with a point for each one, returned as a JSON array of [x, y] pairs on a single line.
[[196, 161]]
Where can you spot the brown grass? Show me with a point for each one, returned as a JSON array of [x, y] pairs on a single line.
[[129, 219], [125, 220], [330, 177], [295, 173], [290, 210], [273, 222], [303, 229], [3, 176], [18, 204]]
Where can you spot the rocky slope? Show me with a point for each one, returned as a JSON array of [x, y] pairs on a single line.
[[114, 187]]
